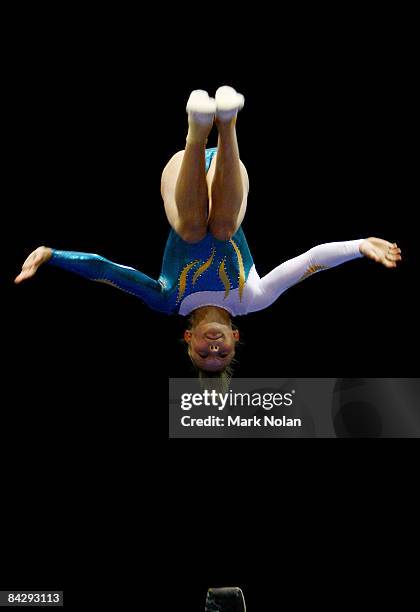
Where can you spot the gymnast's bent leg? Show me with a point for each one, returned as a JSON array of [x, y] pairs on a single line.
[[227, 177], [184, 186]]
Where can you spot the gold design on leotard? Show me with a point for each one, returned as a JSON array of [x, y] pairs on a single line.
[[182, 284], [312, 269], [241, 269], [203, 267], [224, 278]]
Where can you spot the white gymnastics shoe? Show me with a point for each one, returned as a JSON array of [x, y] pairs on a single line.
[[228, 103], [200, 107]]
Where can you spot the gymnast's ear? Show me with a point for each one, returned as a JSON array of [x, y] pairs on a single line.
[[235, 333], [187, 335]]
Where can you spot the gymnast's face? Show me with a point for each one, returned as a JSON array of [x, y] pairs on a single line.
[[211, 345]]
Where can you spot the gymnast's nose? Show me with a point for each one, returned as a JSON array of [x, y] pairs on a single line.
[[214, 348]]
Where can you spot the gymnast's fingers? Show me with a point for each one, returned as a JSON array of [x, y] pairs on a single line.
[[26, 272]]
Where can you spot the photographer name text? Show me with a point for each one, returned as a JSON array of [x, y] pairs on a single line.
[[237, 421]]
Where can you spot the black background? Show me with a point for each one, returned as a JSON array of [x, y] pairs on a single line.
[[326, 141], [94, 113]]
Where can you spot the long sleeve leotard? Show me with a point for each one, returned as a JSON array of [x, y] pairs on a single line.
[[183, 288], [209, 272]]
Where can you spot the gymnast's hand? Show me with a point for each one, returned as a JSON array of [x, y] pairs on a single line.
[[32, 263], [381, 251]]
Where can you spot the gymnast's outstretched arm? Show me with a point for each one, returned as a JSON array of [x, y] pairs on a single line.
[[321, 257], [97, 268]]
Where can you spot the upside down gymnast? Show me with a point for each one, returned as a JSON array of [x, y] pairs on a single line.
[[208, 272]]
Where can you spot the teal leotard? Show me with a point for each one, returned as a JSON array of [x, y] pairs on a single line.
[[209, 265], [209, 272]]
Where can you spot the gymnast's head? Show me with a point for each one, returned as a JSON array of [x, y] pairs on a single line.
[[211, 340]]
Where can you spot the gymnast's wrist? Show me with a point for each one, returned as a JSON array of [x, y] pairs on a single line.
[[47, 254]]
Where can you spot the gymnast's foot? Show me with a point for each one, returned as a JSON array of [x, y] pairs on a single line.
[[201, 110], [228, 103]]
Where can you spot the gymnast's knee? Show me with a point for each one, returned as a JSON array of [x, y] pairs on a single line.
[[190, 231], [222, 230]]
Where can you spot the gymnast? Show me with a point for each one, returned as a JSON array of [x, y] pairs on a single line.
[[208, 273]]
